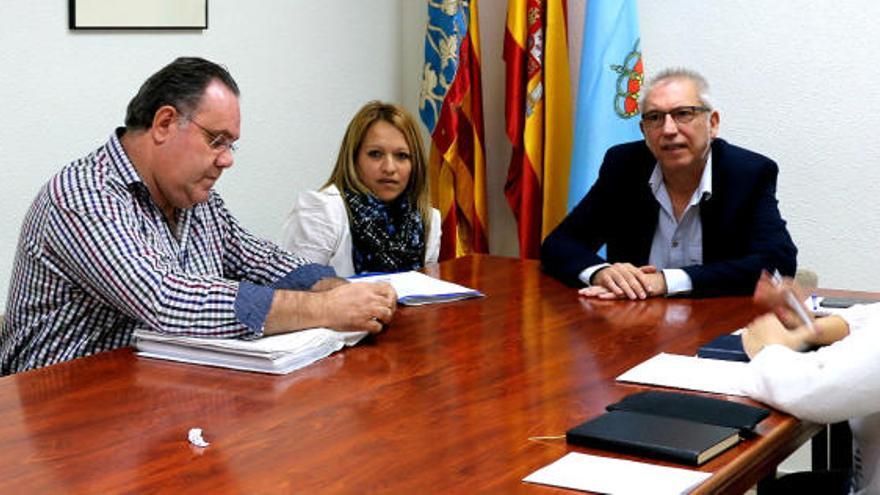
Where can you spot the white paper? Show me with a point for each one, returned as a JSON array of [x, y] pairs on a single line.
[[690, 373], [813, 304], [416, 288], [616, 476]]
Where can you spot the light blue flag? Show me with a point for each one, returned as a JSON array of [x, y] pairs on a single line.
[[610, 80]]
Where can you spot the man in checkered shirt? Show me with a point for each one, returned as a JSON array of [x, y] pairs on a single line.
[[134, 236]]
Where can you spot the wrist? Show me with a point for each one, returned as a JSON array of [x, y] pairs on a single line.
[[328, 283], [276, 319], [316, 312], [664, 288], [751, 344], [295, 310], [755, 350], [799, 339]]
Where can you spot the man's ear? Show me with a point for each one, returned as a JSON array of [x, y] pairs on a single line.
[[714, 121], [164, 123]]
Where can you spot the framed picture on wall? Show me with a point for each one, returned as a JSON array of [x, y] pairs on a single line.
[[138, 14]]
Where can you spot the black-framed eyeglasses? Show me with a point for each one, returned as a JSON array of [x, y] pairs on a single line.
[[681, 115], [217, 141]]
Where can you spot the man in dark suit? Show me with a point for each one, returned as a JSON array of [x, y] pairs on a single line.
[[680, 212]]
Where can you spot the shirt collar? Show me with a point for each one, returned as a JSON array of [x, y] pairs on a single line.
[[119, 159], [704, 189]]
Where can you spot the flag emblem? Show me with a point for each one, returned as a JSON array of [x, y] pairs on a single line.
[[629, 83], [450, 104]]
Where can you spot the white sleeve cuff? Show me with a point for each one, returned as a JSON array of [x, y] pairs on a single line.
[[588, 272], [677, 281]]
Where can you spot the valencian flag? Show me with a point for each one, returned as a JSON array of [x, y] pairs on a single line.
[[611, 78], [539, 121], [450, 105]]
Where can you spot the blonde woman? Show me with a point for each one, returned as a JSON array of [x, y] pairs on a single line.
[[372, 214]]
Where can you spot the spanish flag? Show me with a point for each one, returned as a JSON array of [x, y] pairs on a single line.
[[450, 105], [539, 118]]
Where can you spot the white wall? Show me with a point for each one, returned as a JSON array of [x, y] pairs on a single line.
[[794, 80], [304, 68]]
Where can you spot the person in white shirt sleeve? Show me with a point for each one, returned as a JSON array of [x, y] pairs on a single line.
[[373, 214], [837, 382]]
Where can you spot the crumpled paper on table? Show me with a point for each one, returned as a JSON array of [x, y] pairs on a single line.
[[195, 437]]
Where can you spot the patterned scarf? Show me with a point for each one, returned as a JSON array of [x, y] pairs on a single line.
[[385, 237]]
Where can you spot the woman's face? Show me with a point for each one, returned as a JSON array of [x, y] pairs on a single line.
[[384, 161]]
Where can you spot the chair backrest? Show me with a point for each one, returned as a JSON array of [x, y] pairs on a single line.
[[806, 278]]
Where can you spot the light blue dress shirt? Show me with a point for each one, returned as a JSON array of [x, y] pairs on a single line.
[[676, 243]]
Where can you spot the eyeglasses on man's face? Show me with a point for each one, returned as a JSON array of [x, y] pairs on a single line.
[[681, 115], [217, 141]]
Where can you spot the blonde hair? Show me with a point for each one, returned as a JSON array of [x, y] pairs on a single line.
[[345, 176]]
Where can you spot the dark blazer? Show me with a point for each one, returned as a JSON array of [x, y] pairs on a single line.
[[743, 231]]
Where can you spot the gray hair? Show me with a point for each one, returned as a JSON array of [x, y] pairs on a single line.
[[679, 73]]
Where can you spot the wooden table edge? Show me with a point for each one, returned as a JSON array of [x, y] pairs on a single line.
[[762, 459]]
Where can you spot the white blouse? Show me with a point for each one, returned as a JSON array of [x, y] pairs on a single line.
[[834, 383], [317, 228]]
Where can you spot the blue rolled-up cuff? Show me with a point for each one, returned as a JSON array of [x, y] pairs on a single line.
[[252, 303], [304, 277]]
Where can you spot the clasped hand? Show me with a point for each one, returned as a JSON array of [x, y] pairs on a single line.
[[624, 280], [782, 325]]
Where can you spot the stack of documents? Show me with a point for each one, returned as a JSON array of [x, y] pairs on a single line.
[[277, 354], [415, 288]]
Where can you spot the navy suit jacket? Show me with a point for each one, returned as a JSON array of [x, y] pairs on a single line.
[[743, 231]]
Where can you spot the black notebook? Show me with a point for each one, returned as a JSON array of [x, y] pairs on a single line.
[[674, 439], [727, 347], [694, 408]]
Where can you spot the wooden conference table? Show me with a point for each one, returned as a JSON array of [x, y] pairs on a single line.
[[443, 401]]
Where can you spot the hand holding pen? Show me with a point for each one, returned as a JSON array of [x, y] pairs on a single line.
[[783, 297], [793, 302]]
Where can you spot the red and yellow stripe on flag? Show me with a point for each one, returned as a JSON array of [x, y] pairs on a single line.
[[451, 107], [539, 118]]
